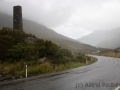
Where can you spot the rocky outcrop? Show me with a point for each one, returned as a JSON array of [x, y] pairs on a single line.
[[30, 39]]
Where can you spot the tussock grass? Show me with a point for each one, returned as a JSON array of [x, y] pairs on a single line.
[[18, 68], [109, 54], [40, 69], [68, 66]]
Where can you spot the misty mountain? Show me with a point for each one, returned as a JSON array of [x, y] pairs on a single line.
[[45, 33], [104, 39]]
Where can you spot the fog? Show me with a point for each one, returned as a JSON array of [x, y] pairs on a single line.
[[72, 18]]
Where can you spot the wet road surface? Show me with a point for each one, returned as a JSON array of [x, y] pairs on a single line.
[[102, 75]]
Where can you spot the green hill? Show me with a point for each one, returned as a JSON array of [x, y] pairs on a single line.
[[16, 45], [18, 48]]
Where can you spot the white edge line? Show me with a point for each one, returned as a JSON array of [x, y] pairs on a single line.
[[117, 88]]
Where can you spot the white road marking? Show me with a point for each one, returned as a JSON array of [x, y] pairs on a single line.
[[118, 88]]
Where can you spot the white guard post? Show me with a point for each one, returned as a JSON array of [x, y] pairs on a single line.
[[26, 71]]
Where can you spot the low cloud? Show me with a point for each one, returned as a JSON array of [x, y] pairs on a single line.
[[72, 18]]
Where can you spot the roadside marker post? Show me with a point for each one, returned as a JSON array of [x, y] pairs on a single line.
[[86, 61], [26, 71]]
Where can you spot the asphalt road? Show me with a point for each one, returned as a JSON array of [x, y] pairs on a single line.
[[102, 75]]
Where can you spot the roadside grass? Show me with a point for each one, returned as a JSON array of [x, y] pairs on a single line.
[[117, 55], [18, 68], [92, 61], [68, 66]]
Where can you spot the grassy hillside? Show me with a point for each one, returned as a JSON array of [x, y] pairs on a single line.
[[111, 53], [45, 33]]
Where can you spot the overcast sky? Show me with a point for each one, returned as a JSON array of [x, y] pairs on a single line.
[[72, 18]]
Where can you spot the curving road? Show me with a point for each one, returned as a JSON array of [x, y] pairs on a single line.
[[102, 75]]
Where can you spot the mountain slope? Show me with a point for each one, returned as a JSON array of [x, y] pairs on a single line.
[[43, 32], [104, 39], [93, 38]]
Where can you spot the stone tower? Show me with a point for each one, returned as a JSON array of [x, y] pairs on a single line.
[[17, 18]]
